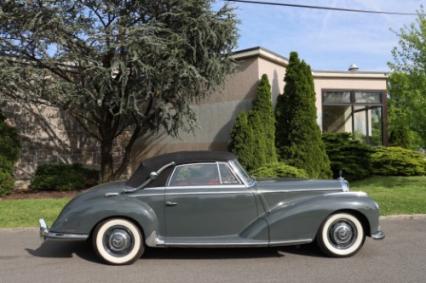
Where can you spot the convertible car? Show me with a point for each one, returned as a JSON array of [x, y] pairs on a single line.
[[206, 199]]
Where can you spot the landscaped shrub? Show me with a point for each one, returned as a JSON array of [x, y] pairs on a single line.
[[348, 155], [6, 182], [277, 170], [9, 153], [253, 134], [63, 177], [398, 161], [298, 136]]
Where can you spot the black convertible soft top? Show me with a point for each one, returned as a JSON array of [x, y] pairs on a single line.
[[181, 157]]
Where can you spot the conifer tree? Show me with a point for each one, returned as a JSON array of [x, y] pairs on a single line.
[[241, 141], [298, 137], [264, 124]]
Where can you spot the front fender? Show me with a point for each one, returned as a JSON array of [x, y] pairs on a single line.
[[80, 217], [301, 218]]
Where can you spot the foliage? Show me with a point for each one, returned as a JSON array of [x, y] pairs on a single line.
[[241, 141], [25, 212], [395, 195], [298, 137], [121, 69], [398, 161], [253, 134], [407, 86], [9, 153], [406, 108], [264, 124], [278, 170], [63, 177], [6, 182], [347, 155]]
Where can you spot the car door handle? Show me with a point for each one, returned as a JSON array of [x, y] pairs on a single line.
[[171, 203]]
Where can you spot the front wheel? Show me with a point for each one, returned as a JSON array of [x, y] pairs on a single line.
[[118, 241], [341, 235]]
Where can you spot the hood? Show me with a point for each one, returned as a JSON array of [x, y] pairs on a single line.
[[298, 184]]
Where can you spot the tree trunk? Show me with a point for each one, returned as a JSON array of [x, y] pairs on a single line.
[[107, 163]]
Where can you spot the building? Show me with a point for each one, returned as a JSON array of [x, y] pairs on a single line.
[[346, 101]]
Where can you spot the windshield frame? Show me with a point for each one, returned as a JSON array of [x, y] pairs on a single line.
[[242, 173]]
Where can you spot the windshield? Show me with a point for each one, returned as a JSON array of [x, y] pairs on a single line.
[[242, 172]]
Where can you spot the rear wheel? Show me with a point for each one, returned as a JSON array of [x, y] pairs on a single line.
[[341, 235], [118, 241]]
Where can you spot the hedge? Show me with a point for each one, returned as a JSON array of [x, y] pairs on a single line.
[[63, 177], [279, 170], [398, 161]]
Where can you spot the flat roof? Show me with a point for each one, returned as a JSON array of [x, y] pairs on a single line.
[[274, 57]]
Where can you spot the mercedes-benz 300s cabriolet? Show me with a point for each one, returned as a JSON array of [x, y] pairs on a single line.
[[206, 199]]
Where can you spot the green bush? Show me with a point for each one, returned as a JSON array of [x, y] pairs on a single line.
[[398, 161], [277, 170], [6, 182], [9, 153], [63, 177], [298, 136], [348, 155]]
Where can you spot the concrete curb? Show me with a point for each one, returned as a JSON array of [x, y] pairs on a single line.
[[403, 217]]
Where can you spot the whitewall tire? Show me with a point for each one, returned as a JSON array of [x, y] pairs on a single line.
[[118, 241], [341, 235]]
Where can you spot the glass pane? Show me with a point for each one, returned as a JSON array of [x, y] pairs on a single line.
[[337, 119], [375, 120], [360, 123], [337, 97], [202, 174], [367, 97], [227, 177]]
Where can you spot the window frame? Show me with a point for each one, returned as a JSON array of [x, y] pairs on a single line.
[[381, 104], [240, 185]]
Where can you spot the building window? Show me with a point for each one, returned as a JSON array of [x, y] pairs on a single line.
[[356, 112]]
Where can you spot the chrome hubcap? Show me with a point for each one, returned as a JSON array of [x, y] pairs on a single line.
[[118, 241], [342, 234]]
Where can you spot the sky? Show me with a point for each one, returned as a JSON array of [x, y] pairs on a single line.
[[327, 40]]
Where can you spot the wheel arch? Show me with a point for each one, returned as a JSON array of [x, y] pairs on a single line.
[[358, 214], [126, 217]]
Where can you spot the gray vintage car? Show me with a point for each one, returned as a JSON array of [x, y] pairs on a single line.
[[206, 199]]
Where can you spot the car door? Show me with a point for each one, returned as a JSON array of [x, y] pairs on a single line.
[[208, 201]]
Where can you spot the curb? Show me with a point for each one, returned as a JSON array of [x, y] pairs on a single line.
[[403, 217]]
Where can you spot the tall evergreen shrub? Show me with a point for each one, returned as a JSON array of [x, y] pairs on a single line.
[[253, 135], [9, 153], [298, 137]]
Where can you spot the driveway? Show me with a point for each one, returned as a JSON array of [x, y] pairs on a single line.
[[401, 257]]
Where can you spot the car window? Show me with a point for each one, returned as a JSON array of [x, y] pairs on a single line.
[[227, 177], [197, 174]]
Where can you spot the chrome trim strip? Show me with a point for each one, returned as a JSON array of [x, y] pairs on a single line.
[[289, 242], [237, 244], [379, 235], [295, 190], [47, 235]]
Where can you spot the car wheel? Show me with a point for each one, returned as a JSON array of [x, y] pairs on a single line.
[[341, 235], [118, 241]]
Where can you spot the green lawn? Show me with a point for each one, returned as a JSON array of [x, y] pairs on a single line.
[[26, 212], [395, 195]]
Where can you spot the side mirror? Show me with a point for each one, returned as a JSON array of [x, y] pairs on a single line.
[[153, 175]]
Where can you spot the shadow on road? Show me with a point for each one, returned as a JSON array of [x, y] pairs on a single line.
[[85, 251]]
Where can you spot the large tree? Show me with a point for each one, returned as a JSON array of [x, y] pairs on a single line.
[[407, 89], [298, 136], [121, 68]]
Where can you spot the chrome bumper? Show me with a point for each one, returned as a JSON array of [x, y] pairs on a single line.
[[379, 235], [45, 234]]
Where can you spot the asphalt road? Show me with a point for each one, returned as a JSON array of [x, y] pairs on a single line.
[[401, 257]]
